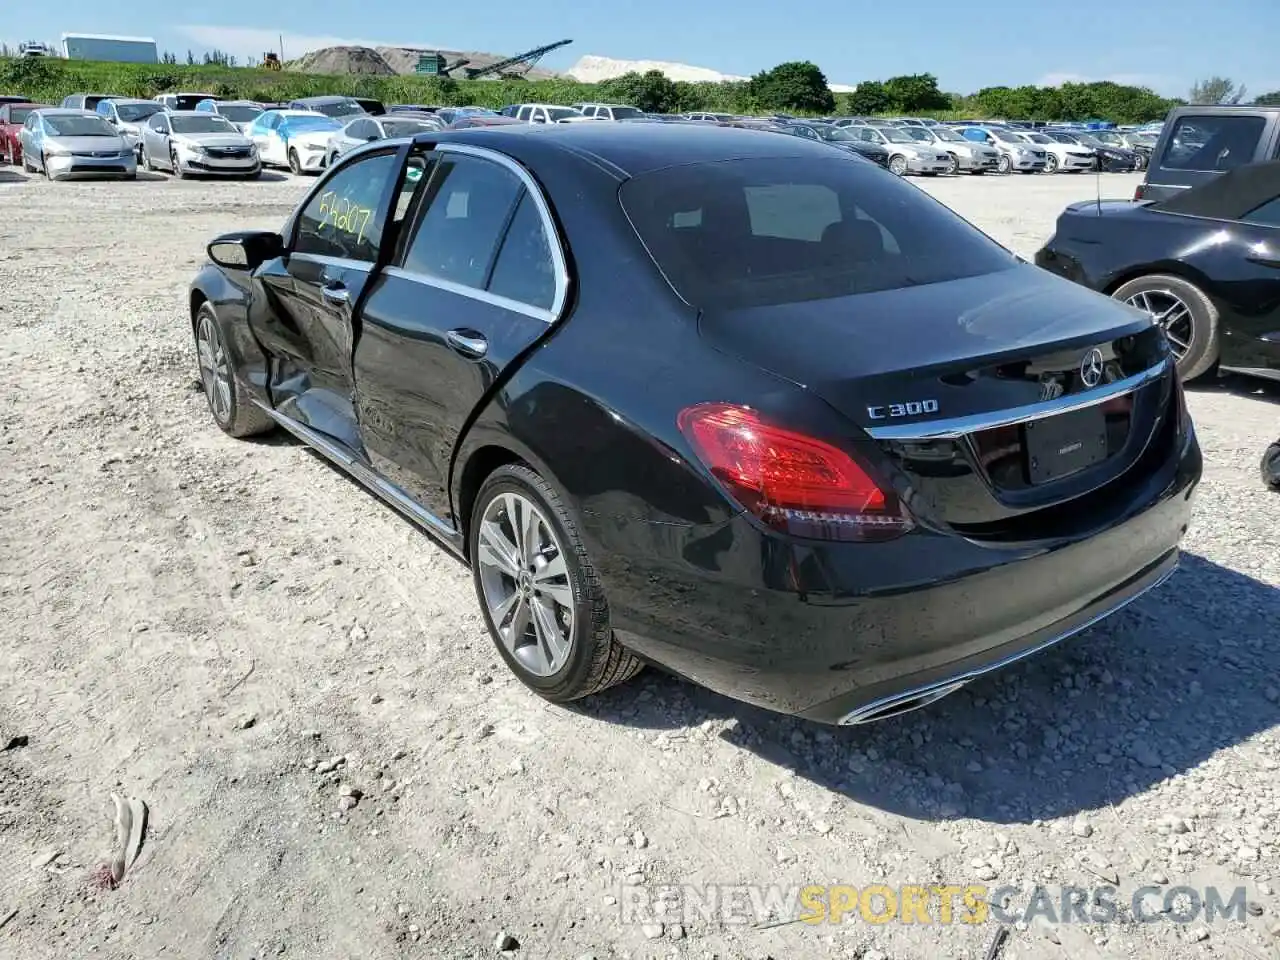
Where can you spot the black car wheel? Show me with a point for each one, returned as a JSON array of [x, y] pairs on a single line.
[[173, 162], [227, 402], [542, 601], [1187, 316], [1140, 162], [295, 165], [1271, 466]]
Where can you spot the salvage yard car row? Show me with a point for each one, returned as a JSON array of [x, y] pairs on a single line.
[[199, 134]]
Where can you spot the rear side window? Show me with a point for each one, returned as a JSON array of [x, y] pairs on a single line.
[[1212, 143], [1268, 214], [524, 270], [746, 233], [467, 206]]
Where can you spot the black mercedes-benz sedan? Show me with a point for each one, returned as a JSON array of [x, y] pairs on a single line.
[[1205, 263], [737, 404]]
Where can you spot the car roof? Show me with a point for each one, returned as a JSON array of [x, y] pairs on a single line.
[[286, 112], [634, 149], [186, 113], [235, 103], [69, 112], [328, 98]]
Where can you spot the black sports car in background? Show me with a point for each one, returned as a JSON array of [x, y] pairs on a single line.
[[735, 403], [1205, 264]]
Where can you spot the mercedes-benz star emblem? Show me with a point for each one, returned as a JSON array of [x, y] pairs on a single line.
[[1091, 368]]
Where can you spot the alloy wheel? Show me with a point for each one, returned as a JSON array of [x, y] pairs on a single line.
[[525, 582], [954, 164], [898, 165], [1050, 163], [1004, 165], [214, 372], [1171, 314]]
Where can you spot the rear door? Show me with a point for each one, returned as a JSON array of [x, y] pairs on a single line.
[[1196, 147], [479, 278], [314, 291]]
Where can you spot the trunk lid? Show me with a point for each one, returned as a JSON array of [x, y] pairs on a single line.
[[946, 376]]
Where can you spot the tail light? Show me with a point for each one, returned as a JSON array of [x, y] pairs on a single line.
[[793, 482], [1139, 192]]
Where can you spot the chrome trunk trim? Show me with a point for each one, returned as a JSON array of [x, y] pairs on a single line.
[[955, 427]]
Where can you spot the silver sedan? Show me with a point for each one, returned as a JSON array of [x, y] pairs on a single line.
[[74, 143], [367, 129]]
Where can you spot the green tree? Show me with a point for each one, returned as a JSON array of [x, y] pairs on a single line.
[[1271, 99], [869, 97], [652, 91], [1217, 90], [916, 93], [798, 85]]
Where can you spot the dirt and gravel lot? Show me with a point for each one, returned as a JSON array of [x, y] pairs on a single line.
[[235, 633]]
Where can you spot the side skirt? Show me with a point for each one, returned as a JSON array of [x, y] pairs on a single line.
[[335, 452]]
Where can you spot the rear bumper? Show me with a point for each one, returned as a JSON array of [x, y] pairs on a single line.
[[839, 632]]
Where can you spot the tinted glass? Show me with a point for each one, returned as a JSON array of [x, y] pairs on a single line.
[[344, 109], [1268, 214], [343, 219], [1212, 143], [743, 233], [303, 124], [208, 123], [524, 269], [467, 206], [562, 113], [188, 101], [408, 128], [133, 112], [238, 113], [627, 113], [19, 114], [79, 126]]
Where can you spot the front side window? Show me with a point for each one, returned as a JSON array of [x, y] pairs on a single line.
[[759, 232], [343, 218], [465, 209], [1268, 215], [1212, 143]]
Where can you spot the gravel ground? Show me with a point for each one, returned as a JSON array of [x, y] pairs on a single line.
[[337, 765]]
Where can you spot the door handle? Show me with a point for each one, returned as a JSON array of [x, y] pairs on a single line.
[[335, 293], [468, 343]]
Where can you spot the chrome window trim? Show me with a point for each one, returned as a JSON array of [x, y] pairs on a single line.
[[956, 427], [558, 260]]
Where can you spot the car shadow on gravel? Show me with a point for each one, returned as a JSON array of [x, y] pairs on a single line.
[[1151, 693], [12, 176], [1254, 388]]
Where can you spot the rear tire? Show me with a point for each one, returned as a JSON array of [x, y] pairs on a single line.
[[1271, 466], [548, 589], [228, 402], [1159, 290]]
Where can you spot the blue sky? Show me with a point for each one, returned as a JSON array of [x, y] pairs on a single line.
[[1166, 45]]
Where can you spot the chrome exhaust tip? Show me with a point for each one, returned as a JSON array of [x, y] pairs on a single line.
[[902, 703]]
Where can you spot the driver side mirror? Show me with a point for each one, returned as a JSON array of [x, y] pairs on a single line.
[[246, 250], [371, 137]]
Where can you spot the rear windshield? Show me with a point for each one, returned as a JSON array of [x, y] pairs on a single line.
[[1212, 143], [761, 232], [188, 101]]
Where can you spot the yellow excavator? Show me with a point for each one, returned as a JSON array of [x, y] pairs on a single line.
[[270, 61]]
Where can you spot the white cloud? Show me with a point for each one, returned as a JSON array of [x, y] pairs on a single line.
[[255, 40]]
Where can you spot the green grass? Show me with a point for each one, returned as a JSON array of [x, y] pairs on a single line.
[[48, 81]]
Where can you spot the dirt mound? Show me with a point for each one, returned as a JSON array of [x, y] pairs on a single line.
[[335, 60]]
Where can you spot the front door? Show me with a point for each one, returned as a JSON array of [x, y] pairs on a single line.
[[478, 279], [314, 292]]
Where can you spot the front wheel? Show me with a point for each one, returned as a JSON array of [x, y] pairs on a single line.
[[177, 167], [1185, 314], [1050, 163], [898, 165], [295, 165], [231, 409], [954, 166], [1004, 164], [541, 598]]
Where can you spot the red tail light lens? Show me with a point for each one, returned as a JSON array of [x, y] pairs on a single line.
[[791, 481], [1137, 194]]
